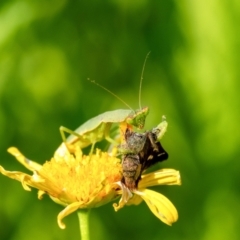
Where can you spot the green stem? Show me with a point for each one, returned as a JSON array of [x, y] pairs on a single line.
[[83, 217]]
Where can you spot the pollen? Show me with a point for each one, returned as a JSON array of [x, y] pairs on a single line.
[[82, 177]]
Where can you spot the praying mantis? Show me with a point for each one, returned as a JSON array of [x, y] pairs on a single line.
[[98, 128]]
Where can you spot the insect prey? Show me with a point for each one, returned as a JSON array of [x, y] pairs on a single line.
[[139, 152]]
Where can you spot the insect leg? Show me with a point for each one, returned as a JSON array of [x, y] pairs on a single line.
[[114, 132], [67, 130], [160, 129], [152, 140]]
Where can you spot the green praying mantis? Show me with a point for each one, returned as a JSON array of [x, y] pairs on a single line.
[[98, 128]]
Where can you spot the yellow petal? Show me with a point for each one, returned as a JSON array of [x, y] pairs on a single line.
[[135, 200], [25, 179], [126, 195], [160, 206], [66, 211], [33, 166], [160, 177]]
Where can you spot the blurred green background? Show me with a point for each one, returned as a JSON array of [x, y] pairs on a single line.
[[48, 49]]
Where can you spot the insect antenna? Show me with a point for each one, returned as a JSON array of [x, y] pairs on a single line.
[[116, 96], [141, 80]]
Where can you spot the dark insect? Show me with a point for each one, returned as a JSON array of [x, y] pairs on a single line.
[[140, 151]]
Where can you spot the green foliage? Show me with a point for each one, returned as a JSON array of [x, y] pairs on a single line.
[[48, 49]]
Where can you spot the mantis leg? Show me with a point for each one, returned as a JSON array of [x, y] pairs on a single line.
[[67, 130], [69, 144], [106, 128], [92, 149], [109, 139]]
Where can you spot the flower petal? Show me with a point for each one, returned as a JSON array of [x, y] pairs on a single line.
[[25, 179], [160, 206], [160, 177], [32, 166], [66, 211], [126, 195], [135, 200]]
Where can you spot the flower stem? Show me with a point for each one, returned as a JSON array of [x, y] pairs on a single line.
[[83, 217]]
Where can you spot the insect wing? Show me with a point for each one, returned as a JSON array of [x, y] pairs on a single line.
[[93, 124], [153, 155]]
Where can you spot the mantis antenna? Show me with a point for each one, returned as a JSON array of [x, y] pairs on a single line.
[[120, 99], [141, 80], [99, 85]]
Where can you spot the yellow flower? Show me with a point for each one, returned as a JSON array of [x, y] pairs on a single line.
[[160, 206], [79, 182], [75, 181]]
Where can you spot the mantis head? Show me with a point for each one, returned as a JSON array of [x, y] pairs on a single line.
[[138, 118]]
